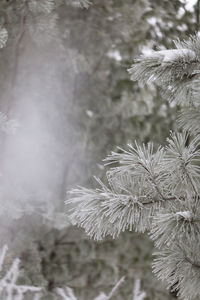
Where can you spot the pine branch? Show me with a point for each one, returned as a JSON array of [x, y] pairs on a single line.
[[180, 268], [194, 264], [104, 212], [176, 71], [189, 119], [179, 223]]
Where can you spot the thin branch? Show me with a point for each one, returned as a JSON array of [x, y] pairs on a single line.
[[114, 290], [161, 200], [191, 182], [196, 265], [155, 185], [188, 176]]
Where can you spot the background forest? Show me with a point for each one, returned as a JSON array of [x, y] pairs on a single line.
[[67, 101]]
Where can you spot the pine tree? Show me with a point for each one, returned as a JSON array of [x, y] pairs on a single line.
[[46, 261], [156, 190]]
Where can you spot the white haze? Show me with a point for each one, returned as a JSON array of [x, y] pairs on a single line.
[[38, 159]]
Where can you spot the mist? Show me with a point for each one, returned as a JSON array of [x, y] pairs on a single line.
[[43, 156]]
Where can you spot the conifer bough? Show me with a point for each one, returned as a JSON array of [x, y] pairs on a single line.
[[157, 190]]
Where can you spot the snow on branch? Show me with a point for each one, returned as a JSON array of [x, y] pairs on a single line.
[[9, 289], [182, 163], [157, 65], [142, 182], [189, 119], [103, 211], [179, 267], [166, 172], [176, 71], [179, 223], [142, 162]]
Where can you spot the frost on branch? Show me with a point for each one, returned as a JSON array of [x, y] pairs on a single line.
[[148, 190], [129, 200], [178, 224], [68, 294], [113, 292], [9, 289], [176, 71], [103, 211], [156, 190], [179, 267], [189, 119], [141, 183], [137, 294], [175, 230], [181, 164]]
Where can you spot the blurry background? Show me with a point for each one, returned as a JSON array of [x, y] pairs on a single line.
[[66, 102]]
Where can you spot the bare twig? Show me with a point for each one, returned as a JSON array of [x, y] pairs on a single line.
[[114, 290]]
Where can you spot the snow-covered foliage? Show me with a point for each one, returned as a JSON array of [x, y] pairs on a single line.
[[141, 183], [91, 34], [9, 289], [178, 265], [156, 190], [176, 71]]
